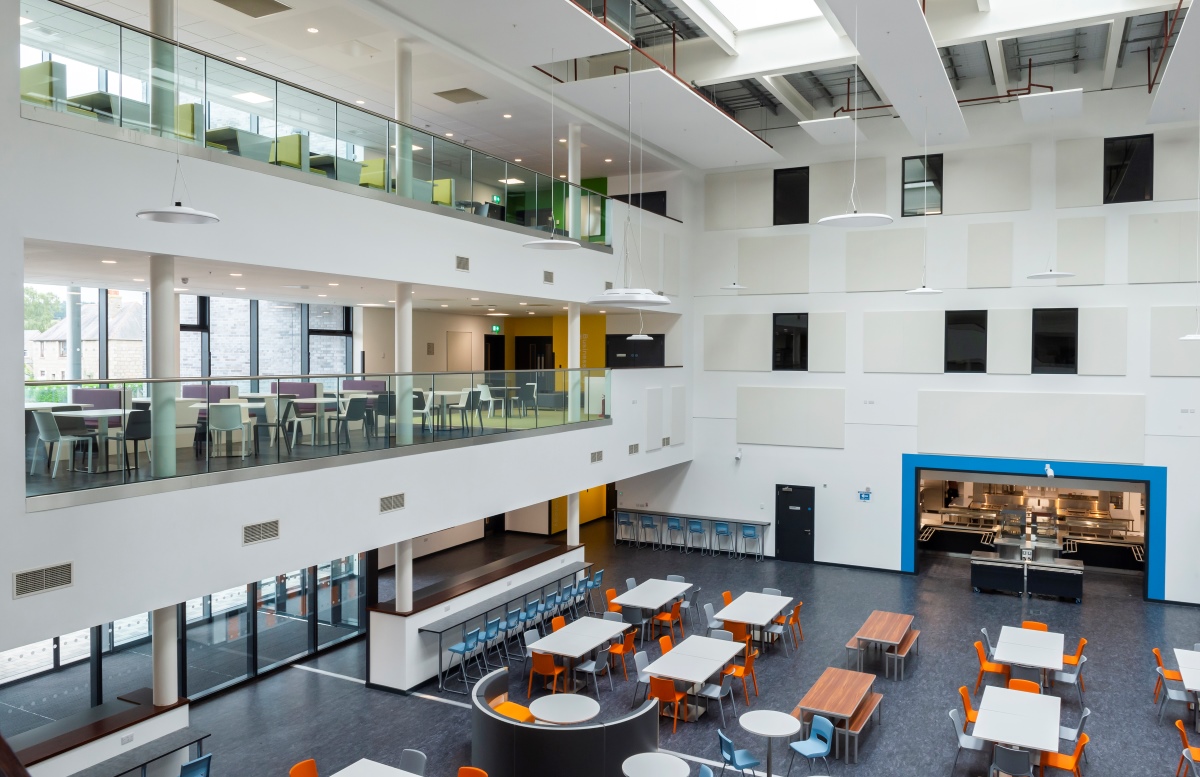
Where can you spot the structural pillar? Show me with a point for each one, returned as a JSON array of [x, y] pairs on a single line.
[[404, 135], [164, 363], [573, 518], [574, 195], [74, 338], [404, 364], [574, 375], [164, 648], [163, 82], [404, 576]]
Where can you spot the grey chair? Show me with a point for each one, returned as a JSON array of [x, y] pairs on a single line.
[[1193, 770], [356, 410], [48, 432], [719, 691], [721, 634], [384, 408], [676, 579], [965, 741], [772, 592], [1072, 734], [782, 632], [710, 615], [640, 662], [990, 647], [412, 761], [690, 605], [226, 418], [614, 616], [420, 409], [137, 429], [630, 584], [595, 668], [1169, 693], [1071, 677], [470, 410], [526, 398], [1012, 761], [531, 636], [636, 616]]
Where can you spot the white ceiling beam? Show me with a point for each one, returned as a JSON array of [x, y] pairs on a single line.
[[830, 17], [961, 23], [984, 5], [995, 52], [1116, 32], [787, 96], [768, 51], [714, 25]]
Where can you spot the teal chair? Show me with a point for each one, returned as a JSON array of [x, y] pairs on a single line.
[[738, 759], [750, 534], [818, 744], [464, 650], [721, 529], [590, 586], [676, 525], [695, 527], [197, 768], [624, 525], [705, 771]]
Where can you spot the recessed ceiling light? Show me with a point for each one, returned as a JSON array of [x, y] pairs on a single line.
[[562, 140], [565, 307], [139, 280], [392, 301], [445, 306], [75, 292], [490, 307], [474, 299], [518, 159], [416, 148], [235, 275], [313, 30], [239, 288], [252, 97], [412, 292], [508, 115], [603, 311], [511, 181], [240, 59], [532, 313], [496, 314], [449, 134], [333, 284], [522, 303], [108, 261], [322, 295], [607, 160], [361, 102], [23, 21], [564, 175]]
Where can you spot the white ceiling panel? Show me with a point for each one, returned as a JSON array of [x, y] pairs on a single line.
[[1175, 97], [671, 115]]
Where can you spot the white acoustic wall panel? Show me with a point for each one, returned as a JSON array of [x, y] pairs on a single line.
[[1103, 341], [1175, 162], [671, 264], [986, 180], [904, 341], [741, 200], [1162, 247], [827, 342], [738, 342], [1081, 250], [1169, 356], [801, 417], [884, 259], [773, 265], [989, 255], [654, 418], [1079, 172], [829, 188], [1010, 342], [1070, 427], [679, 415]]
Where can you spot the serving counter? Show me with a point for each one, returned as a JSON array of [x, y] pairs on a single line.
[[1044, 576]]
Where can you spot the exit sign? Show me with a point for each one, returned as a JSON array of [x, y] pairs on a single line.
[[496, 198], [495, 328]]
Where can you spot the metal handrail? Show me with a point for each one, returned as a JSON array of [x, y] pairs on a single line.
[[351, 375]]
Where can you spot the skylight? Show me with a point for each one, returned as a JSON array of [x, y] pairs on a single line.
[[745, 15]]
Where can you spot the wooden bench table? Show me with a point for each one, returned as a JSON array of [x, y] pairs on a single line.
[[838, 694]]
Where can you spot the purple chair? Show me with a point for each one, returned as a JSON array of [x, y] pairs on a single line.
[[200, 391], [301, 390], [99, 399], [373, 386]]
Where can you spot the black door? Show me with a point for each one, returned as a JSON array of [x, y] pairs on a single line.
[[493, 352], [493, 525], [794, 523], [536, 353], [620, 351]]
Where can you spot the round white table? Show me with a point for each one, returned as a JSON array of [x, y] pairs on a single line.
[[564, 708], [655, 765], [770, 724]]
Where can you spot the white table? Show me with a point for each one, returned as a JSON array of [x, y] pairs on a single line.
[[653, 594], [771, 724], [442, 396], [564, 709], [103, 415], [365, 768], [1189, 667], [577, 639], [52, 405], [655, 765], [1019, 718], [693, 662], [754, 609], [1042, 650]]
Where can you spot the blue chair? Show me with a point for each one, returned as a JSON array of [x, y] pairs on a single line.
[[465, 650], [567, 600], [197, 768], [530, 615], [738, 759], [512, 626], [721, 529], [593, 585], [750, 532], [625, 522], [491, 633], [650, 524], [695, 527], [705, 771], [676, 525], [818, 744]]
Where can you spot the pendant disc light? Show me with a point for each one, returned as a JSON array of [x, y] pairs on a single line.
[[641, 335], [552, 243]]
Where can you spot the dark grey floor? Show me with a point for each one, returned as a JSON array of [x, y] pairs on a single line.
[[266, 726]]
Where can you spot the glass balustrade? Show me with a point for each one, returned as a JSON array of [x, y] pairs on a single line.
[[78, 63], [81, 435]]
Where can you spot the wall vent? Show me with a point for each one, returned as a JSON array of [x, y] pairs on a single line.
[[666, 442], [597, 456], [36, 581], [462, 263], [547, 276], [460, 95], [260, 532], [429, 349], [634, 448], [389, 504], [607, 285]]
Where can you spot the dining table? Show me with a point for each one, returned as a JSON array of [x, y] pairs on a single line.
[[1030, 648], [837, 695], [882, 629], [1018, 719], [102, 415], [1189, 668]]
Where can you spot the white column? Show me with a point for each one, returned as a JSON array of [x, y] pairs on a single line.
[[573, 518], [404, 138], [574, 165], [74, 340], [404, 576], [164, 363], [162, 67], [404, 364], [574, 379], [164, 648]]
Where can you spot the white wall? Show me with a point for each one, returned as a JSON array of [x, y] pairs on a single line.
[[434, 328], [533, 519]]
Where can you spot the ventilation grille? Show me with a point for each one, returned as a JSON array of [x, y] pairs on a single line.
[[429, 349], [462, 263], [607, 285], [634, 448], [389, 504], [35, 581], [547, 276], [460, 96], [666, 442], [597, 456], [255, 8], [260, 532]]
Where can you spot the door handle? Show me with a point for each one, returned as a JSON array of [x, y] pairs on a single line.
[[808, 531], [794, 507]]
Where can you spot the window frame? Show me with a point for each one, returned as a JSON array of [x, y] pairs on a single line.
[[1104, 194], [946, 342], [939, 185], [804, 354], [1034, 367], [807, 195]]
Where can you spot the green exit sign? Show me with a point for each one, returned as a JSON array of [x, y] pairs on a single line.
[[496, 198], [495, 328]]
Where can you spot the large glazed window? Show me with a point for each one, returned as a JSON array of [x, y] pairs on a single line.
[[791, 196], [789, 349], [1129, 169], [1055, 341], [922, 192], [966, 341]]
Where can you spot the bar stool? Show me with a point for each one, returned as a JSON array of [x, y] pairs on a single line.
[[676, 525], [625, 522], [650, 523], [750, 532], [721, 529], [694, 527]]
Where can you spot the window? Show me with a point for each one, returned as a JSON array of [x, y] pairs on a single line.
[[329, 341], [279, 344], [791, 196], [126, 334], [922, 193], [62, 348], [1055, 341], [966, 341], [1129, 169], [229, 338], [789, 350]]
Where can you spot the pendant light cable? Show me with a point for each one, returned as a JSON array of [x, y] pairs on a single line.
[[1196, 334], [924, 288]]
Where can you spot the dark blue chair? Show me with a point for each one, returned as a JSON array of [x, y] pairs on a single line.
[[197, 768]]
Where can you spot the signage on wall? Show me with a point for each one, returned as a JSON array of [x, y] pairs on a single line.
[[864, 496], [495, 328], [496, 198]]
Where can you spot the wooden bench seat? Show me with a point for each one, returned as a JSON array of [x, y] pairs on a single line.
[[854, 651], [896, 657], [869, 707]]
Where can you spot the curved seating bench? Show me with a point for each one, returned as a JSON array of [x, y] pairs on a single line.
[[505, 747]]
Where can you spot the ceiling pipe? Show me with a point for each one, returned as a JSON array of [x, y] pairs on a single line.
[[1168, 32], [1018, 92]]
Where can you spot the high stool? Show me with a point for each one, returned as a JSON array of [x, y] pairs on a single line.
[[695, 527], [750, 532]]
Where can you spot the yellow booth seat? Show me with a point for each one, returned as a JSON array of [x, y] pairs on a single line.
[[45, 84], [290, 151], [373, 173]]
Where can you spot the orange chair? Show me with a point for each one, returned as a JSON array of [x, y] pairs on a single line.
[[665, 643], [668, 618], [304, 769], [1028, 686], [1170, 674], [623, 649], [1195, 751], [793, 622], [742, 671], [728, 597], [738, 630], [989, 667], [968, 710], [543, 664], [471, 771], [1068, 763], [1034, 626], [664, 690], [557, 623], [1073, 660], [609, 595]]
